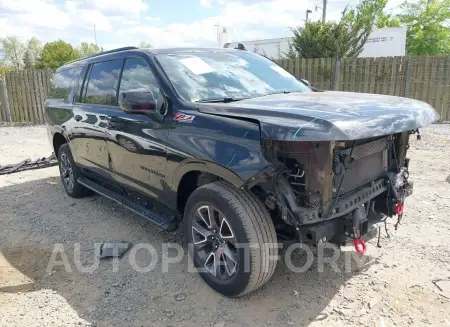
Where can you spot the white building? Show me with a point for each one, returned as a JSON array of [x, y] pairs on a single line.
[[385, 42]]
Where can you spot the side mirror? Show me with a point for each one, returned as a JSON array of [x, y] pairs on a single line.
[[137, 101]]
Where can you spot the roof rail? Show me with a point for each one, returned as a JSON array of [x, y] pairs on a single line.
[[102, 53]]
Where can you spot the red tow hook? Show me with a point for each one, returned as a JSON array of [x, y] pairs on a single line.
[[360, 245], [399, 208]]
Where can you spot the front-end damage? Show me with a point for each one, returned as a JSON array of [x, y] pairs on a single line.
[[332, 191], [337, 161]]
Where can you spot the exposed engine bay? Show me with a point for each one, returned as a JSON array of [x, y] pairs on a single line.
[[332, 191]]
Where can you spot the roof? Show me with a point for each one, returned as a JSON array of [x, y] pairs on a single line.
[[175, 50], [155, 51]]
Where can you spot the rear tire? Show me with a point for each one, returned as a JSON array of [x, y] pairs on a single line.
[[240, 218], [70, 173]]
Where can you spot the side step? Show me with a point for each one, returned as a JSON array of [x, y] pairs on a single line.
[[168, 223]]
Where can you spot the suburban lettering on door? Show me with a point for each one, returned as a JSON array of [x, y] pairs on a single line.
[[154, 172]]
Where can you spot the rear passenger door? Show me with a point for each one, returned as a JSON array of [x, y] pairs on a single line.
[[97, 99]]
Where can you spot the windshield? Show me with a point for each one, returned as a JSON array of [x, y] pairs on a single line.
[[215, 75]]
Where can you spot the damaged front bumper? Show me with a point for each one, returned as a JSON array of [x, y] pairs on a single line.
[[355, 214], [330, 191]]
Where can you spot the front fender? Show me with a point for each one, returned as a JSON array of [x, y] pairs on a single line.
[[208, 167], [55, 129], [226, 147]]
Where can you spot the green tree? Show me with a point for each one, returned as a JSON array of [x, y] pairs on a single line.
[[13, 51], [428, 26], [144, 45], [315, 40], [32, 53], [34, 49], [55, 54], [345, 38], [87, 49], [387, 20], [27, 61], [4, 68], [291, 53]]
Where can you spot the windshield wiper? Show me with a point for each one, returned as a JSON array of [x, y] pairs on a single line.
[[279, 92], [224, 100], [230, 99]]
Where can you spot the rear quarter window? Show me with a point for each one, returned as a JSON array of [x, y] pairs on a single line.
[[63, 84]]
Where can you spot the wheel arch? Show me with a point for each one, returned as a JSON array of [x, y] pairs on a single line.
[[58, 139], [194, 173]]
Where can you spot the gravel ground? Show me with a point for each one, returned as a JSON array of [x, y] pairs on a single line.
[[394, 287]]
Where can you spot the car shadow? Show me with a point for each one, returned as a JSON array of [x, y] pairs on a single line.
[[38, 214]]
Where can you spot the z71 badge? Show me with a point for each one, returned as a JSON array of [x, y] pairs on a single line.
[[183, 117]]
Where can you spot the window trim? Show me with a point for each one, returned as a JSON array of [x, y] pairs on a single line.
[[119, 80], [87, 74], [79, 86], [75, 84]]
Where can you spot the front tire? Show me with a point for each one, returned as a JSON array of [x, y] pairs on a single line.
[[70, 173], [231, 238]]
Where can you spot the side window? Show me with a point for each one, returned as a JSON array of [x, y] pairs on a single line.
[[101, 86], [75, 84], [137, 75], [64, 83]]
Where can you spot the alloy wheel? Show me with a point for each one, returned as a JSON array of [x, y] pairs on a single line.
[[66, 171], [214, 242]]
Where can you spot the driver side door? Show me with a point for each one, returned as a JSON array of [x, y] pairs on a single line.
[[137, 142]]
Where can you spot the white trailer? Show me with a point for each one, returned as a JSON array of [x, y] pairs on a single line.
[[385, 42]]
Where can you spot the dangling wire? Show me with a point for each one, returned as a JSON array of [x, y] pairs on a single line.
[[342, 179]]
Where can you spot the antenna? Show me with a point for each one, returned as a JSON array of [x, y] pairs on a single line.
[[218, 33]]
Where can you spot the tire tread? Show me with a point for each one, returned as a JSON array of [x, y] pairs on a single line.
[[258, 227]]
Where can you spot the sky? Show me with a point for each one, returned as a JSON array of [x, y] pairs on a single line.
[[161, 23]]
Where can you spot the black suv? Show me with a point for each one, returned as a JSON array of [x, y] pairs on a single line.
[[234, 146]]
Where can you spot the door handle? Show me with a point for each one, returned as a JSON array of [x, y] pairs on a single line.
[[78, 117], [112, 123]]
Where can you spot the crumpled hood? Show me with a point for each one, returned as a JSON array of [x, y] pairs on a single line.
[[328, 116]]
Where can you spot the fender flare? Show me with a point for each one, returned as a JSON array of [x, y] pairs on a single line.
[[59, 130], [189, 165]]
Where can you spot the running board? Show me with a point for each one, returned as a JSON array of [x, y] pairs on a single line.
[[168, 223]]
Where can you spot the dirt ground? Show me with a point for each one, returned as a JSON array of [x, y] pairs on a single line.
[[396, 287]]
